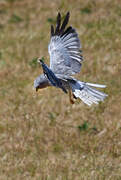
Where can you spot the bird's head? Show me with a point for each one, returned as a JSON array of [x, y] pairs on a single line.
[[41, 82]]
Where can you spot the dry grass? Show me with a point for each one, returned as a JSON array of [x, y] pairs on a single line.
[[39, 134]]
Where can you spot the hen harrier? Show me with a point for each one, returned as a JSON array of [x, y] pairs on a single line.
[[65, 61]]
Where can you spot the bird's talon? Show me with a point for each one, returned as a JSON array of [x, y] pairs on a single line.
[[71, 101]]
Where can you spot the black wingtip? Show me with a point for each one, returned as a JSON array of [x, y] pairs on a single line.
[[60, 28], [52, 30], [58, 23], [68, 14], [59, 15], [65, 22]]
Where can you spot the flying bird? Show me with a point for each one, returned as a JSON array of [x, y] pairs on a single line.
[[65, 61]]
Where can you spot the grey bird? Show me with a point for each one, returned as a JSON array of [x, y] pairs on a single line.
[[65, 61]]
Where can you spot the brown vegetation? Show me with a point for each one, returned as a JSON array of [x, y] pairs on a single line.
[[42, 136]]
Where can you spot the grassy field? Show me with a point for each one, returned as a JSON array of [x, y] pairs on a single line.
[[43, 136]]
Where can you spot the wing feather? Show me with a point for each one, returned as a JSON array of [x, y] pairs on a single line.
[[65, 22], [52, 30], [64, 48], [58, 23]]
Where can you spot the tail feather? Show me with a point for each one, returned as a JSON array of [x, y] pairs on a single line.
[[96, 93], [87, 93], [96, 85]]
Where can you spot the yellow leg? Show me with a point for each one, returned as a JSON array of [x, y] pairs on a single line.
[[71, 97]]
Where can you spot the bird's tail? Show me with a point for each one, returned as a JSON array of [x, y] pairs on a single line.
[[87, 92]]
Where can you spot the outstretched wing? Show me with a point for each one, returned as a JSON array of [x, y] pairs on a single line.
[[64, 48]]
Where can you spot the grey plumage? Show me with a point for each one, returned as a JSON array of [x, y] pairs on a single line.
[[53, 79], [65, 61], [64, 49]]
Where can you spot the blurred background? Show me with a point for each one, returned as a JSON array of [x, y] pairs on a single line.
[[43, 136]]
